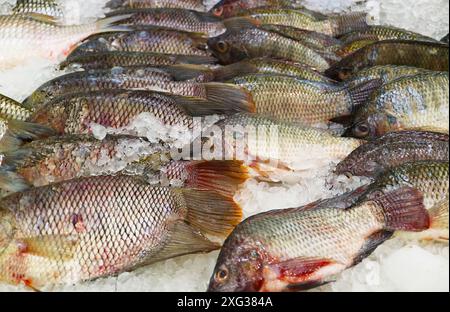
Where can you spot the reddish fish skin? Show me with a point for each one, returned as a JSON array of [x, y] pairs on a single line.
[[230, 8]]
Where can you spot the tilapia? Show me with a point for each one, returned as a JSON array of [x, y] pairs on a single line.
[[170, 79], [155, 41], [12, 109], [76, 113], [45, 7], [270, 144], [295, 100], [24, 36], [302, 248], [299, 18], [176, 19], [56, 234], [235, 46], [408, 103], [105, 60], [394, 149], [362, 37], [230, 8], [70, 157], [196, 5], [428, 55]]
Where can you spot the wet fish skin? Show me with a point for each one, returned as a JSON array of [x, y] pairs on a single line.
[[230, 8], [427, 55], [144, 224], [408, 103], [290, 250], [196, 5], [156, 41], [176, 19], [12, 109], [253, 42], [394, 149], [45, 7]]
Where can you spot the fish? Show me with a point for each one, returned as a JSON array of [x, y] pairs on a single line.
[[445, 39], [45, 7], [230, 8], [307, 102], [155, 41], [408, 103], [180, 80], [263, 65], [394, 149], [196, 5], [76, 113], [12, 109], [360, 38], [302, 248], [65, 158], [235, 46], [105, 60], [271, 146], [177, 19], [427, 55], [298, 18], [55, 235], [26, 36]]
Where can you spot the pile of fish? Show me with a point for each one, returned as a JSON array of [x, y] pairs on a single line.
[[331, 88]]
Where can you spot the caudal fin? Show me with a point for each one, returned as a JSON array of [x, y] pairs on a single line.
[[224, 177], [211, 212], [238, 23], [228, 94], [346, 23], [404, 210], [11, 181], [108, 24], [361, 93], [20, 132]]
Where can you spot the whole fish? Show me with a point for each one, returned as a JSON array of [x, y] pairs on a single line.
[[75, 113], [269, 66], [105, 60], [196, 5], [54, 160], [298, 18], [302, 248], [408, 103], [428, 55], [45, 7], [156, 41], [170, 79], [296, 100], [394, 149], [23, 37], [262, 141], [235, 46], [362, 37], [56, 234], [176, 19], [230, 8]]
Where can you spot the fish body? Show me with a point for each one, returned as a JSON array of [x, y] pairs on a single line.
[[230, 8], [23, 36], [394, 149], [234, 46], [155, 41], [176, 19], [11, 109], [56, 234], [427, 55], [45, 7], [302, 248], [196, 5], [408, 103]]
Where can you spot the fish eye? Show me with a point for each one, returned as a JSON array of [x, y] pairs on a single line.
[[222, 46], [221, 275], [361, 130], [218, 11]]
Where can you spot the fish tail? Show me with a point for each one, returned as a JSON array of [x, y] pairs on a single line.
[[346, 23], [108, 24], [361, 93], [19, 132], [11, 181], [238, 23], [230, 71], [439, 216], [229, 95], [224, 177], [404, 210], [211, 212]]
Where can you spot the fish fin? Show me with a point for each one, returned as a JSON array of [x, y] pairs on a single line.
[[43, 18], [361, 93], [371, 243], [211, 212], [183, 239], [107, 24], [304, 286], [439, 215], [20, 131], [224, 177], [11, 181], [346, 120], [195, 59], [238, 23], [52, 247], [404, 210], [182, 72], [230, 71], [228, 94], [16, 158], [345, 23]]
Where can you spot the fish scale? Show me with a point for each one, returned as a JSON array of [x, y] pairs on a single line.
[[196, 5]]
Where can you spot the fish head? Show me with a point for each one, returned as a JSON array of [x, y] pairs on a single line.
[[355, 166], [227, 8], [374, 126], [239, 267], [227, 48]]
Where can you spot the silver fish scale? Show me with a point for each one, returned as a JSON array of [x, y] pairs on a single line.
[[46, 7], [91, 227]]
